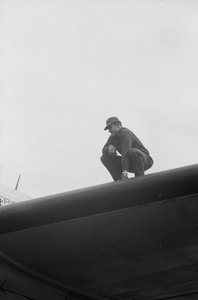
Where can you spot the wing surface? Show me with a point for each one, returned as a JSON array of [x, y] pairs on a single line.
[[135, 239]]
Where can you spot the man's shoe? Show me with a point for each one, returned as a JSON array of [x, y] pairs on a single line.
[[124, 177]]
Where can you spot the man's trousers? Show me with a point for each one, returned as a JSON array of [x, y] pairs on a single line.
[[138, 163]]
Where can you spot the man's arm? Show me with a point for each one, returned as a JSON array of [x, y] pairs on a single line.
[[126, 145], [109, 147]]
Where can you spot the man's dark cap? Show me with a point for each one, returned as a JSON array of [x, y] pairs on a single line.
[[110, 121]]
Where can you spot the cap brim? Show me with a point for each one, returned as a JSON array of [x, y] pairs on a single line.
[[107, 127]]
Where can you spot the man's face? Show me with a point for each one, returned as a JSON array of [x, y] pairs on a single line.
[[114, 129]]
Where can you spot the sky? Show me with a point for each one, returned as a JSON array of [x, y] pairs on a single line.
[[68, 65]]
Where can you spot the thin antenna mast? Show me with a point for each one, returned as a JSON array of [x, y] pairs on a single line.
[[16, 187]]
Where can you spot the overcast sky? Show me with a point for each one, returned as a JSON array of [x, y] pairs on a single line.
[[68, 65]]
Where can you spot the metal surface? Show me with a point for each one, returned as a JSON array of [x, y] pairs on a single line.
[[136, 239]]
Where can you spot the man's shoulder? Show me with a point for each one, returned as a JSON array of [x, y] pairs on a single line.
[[125, 130]]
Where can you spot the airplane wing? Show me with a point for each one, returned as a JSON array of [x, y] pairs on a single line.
[[129, 240], [9, 196]]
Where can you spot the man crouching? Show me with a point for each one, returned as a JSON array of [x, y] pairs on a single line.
[[134, 158]]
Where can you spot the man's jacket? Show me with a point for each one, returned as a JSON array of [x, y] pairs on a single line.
[[123, 142]]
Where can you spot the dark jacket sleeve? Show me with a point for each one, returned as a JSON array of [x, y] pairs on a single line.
[[105, 148], [126, 145]]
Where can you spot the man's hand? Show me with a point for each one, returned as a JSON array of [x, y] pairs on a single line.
[[124, 175], [112, 150]]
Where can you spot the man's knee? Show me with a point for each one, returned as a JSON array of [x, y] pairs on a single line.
[[112, 160], [103, 158]]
